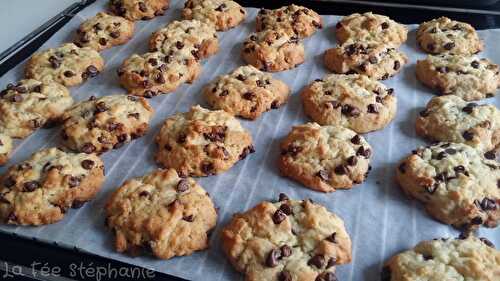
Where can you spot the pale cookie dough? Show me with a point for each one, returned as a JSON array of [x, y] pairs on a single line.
[[6, 148], [30, 104], [325, 158], [470, 78], [457, 184], [223, 14], [451, 119], [273, 50], [41, 189], [67, 64], [353, 101], [246, 92], [286, 240], [202, 142], [138, 9], [161, 213], [109, 122]]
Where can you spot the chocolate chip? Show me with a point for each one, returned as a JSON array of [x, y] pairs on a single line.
[[92, 71], [207, 168], [179, 45], [11, 217], [487, 242], [490, 155], [275, 104], [326, 276], [143, 7], [292, 150], [341, 170], [356, 139], [224, 93], [31, 186], [317, 260], [283, 197], [103, 41], [323, 175], [181, 138], [114, 34], [286, 251], [364, 152], [248, 96], [469, 107], [476, 220], [88, 148], [221, 7], [77, 204], [372, 108], [488, 204], [474, 64], [431, 47], [68, 73], [460, 170], [468, 135], [441, 155], [350, 110], [217, 134], [278, 216], [450, 151], [286, 209], [189, 218], [249, 149], [272, 257], [87, 164], [448, 46], [402, 167], [74, 181], [373, 59], [397, 65], [332, 238], [182, 185], [54, 62], [385, 25], [331, 262], [352, 161], [284, 276]]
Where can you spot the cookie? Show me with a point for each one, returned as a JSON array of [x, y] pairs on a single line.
[[297, 20], [41, 189], [5, 148], [199, 37], [138, 9], [353, 101], [68, 65], [202, 142], [325, 158], [470, 78], [445, 259], [104, 31], [286, 240], [223, 14], [246, 92], [376, 60], [370, 27], [444, 35], [451, 119], [152, 74], [161, 213], [273, 50], [109, 122], [458, 184], [30, 104]]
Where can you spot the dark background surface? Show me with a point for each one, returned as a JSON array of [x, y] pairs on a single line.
[[20, 251]]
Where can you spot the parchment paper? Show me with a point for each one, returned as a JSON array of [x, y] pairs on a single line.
[[379, 218]]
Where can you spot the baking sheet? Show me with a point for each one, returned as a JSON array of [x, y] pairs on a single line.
[[379, 218]]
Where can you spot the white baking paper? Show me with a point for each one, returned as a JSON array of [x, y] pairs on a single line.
[[379, 218]]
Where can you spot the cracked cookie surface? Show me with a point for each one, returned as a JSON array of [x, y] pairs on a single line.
[[202, 142], [246, 92], [458, 184], [325, 158], [161, 213], [444, 35], [286, 240], [223, 14], [41, 189], [30, 104], [470, 78], [104, 31], [109, 122], [353, 101], [68, 65], [273, 50], [296, 20], [451, 119], [471, 258]]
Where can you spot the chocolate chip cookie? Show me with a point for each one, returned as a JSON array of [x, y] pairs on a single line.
[[41, 189], [286, 240], [246, 92], [67, 64], [30, 104], [468, 77], [156, 73], [199, 37], [444, 35], [5, 148], [297, 20], [371, 27], [445, 259], [325, 158], [273, 50], [451, 119], [138, 9], [202, 142], [223, 14], [458, 184], [371, 58], [109, 122], [353, 101], [161, 213], [104, 31]]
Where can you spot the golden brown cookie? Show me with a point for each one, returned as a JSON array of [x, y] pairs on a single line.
[[6, 148], [138, 9], [223, 14]]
